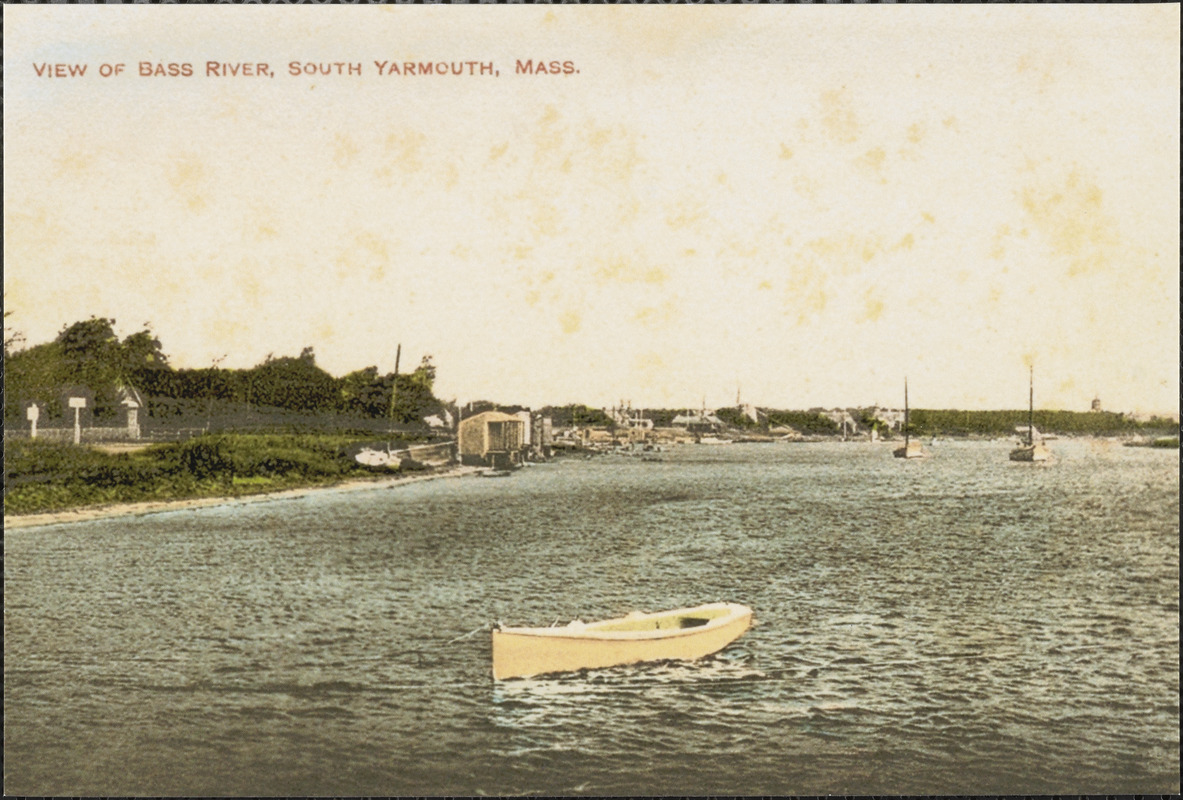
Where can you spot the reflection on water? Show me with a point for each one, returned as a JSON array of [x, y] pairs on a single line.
[[958, 625]]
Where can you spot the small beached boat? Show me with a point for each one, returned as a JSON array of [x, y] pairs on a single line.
[[682, 634], [378, 459]]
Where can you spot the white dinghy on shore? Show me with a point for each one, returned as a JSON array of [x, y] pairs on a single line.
[[680, 634]]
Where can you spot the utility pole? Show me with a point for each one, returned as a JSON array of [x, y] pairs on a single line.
[[394, 383], [209, 385]]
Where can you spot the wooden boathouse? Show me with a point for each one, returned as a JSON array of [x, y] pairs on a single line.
[[492, 439]]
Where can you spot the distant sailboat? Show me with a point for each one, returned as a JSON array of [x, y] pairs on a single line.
[[1031, 451], [910, 449]]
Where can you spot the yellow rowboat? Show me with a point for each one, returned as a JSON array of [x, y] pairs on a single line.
[[683, 634]]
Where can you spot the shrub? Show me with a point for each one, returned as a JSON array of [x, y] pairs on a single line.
[[206, 457]]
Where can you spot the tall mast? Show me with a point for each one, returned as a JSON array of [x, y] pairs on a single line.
[[907, 431], [1031, 408], [394, 385]]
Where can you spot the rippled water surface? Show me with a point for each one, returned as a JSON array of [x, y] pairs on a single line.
[[956, 625]]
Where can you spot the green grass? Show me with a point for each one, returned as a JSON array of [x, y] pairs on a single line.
[[1166, 442], [42, 476]]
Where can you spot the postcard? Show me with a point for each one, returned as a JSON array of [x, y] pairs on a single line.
[[282, 285]]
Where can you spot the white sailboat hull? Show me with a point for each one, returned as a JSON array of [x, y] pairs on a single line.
[[1031, 453], [910, 450]]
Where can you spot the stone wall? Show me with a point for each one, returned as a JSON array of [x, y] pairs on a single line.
[[89, 434]]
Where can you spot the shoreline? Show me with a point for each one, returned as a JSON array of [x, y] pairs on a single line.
[[146, 507]]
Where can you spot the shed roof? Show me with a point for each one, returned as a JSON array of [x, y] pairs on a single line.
[[126, 393], [493, 416]]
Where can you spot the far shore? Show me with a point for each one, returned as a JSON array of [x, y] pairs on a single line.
[[379, 481], [89, 513]]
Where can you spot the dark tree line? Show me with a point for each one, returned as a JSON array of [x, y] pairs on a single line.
[[88, 357], [575, 415]]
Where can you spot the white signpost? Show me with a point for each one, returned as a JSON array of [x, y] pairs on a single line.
[[33, 413], [77, 403]]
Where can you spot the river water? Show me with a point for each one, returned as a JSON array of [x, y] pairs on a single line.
[[956, 625]]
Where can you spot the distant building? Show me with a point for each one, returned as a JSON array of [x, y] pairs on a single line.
[[670, 436], [892, 419], [440, 421], [754, 414], [589, 437], [527, 434], [624, 417], [785, 432], [701, 422], [1036, 436], [491, 438], [542, 436], [132, 401], [842, 418]]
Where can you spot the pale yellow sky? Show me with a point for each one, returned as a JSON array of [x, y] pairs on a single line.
[[808, 203]]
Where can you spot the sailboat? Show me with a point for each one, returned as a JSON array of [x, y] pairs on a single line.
[[1032, 450], [910, 449]]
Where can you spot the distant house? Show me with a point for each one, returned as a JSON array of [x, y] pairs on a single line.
[[1036, 436], [754, 414], [842, 418], [541, 436], [625, 417], [440, 421], [698, 423], [132, 401], [527, 429], [892, 418], [671, 436], [491, 438], [785, 432], [129, 396], [596, 436]]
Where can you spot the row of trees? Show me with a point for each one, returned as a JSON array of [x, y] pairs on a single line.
[[89, 357], [948, 422], [575, 415]]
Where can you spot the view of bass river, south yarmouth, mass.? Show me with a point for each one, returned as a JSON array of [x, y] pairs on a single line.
[[950, 625]]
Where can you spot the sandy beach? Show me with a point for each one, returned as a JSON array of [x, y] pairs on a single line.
[[157, 506]]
